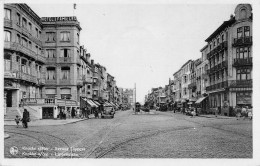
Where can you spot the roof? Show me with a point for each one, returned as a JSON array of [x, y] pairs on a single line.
[[221, 28]]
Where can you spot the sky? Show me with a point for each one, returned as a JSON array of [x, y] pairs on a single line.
[[142, 43]]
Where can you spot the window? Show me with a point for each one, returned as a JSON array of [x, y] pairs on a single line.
[[18, 19], [88, 71], [239, 32], [24, 62], [218, 41], [88, 86], [7, 36], [18, 39], [65, 36], [7, 62], [94, 92], [7, 14], [24, 42], [66, 96], [246, 31], [30, 26], [30, 44], [243, 52], [50, 53], [37, 32], [24, 23], [29, 68], [244, 74], [65, 71], [50, 73], [17, 59], [50, 36], [222, 38], [77, 38], [65, 53]]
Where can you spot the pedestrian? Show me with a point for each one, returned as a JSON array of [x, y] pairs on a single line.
[[250, 113], [216, 111], [238, 112], [96, 113], [17, 120], [244, 112], [26, 118], [73, 112], [78, 113]]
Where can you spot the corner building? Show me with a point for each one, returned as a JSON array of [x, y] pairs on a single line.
[[230, 62]]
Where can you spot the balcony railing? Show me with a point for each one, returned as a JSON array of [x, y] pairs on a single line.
[[27, 77], [192, 85], [41, 81], [39, 101], [8, 23], [20, 48], [242, 62], [51, 60], [242, 41], [41, 58], [220, 47], [65, 60], [230, 84], [240, 83]]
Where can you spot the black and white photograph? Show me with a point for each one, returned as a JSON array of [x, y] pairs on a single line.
[[115, 80]]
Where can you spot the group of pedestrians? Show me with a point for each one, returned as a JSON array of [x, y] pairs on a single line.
[[25, 119], [74, 113], [244, 112]]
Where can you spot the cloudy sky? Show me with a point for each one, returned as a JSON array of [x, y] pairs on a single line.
[[142, 43]]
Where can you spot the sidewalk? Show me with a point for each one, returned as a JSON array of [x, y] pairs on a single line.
[[218, 116], [48, 122]]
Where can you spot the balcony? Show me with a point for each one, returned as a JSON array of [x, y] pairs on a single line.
[[243, 41], [41, 58], [39, 101], [10, 74], [51, 60], [240, 83], [27, 77], [65, 60], [8, 23], [242, 62], [18, 47], [216, 86], [65, 82], [51, 82]]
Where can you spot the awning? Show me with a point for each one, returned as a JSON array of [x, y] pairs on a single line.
[[91, 103], [200, 100], [97, 103], [107, 104], [112, 104], [190, 102]]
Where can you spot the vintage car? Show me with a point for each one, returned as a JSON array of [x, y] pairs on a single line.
[[108, 112]]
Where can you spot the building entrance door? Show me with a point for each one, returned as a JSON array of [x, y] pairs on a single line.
[[47, 113], [9, 98]]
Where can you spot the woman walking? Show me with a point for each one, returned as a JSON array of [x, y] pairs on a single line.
[[26, 118]]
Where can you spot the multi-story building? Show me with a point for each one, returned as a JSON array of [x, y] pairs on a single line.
[[24, 60], [185, 80], [230, 61]]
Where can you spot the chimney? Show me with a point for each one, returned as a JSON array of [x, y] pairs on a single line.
[[92, 62]]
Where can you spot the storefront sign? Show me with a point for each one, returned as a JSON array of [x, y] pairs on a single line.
[[9, 75], [244, 100], [54, 19]]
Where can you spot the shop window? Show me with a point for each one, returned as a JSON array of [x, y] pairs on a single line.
[[7, 14]]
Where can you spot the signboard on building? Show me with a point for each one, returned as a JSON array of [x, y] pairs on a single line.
[[54, 19], [244, 100]]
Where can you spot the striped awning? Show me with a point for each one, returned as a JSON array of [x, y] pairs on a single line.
[[91, 103], [97, 103], [107, 104]]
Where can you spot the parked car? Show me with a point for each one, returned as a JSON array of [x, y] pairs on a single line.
[[108, 112]]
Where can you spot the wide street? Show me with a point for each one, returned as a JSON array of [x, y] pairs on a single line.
[[160, 135]]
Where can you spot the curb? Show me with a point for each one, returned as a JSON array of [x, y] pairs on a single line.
[[51, 124]]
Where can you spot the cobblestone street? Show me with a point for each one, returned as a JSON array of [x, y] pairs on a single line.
[[159, 135]]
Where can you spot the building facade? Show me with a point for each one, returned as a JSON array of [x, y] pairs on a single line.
[[230, 62]]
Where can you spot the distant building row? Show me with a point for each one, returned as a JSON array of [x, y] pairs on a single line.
[[222, 77]]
